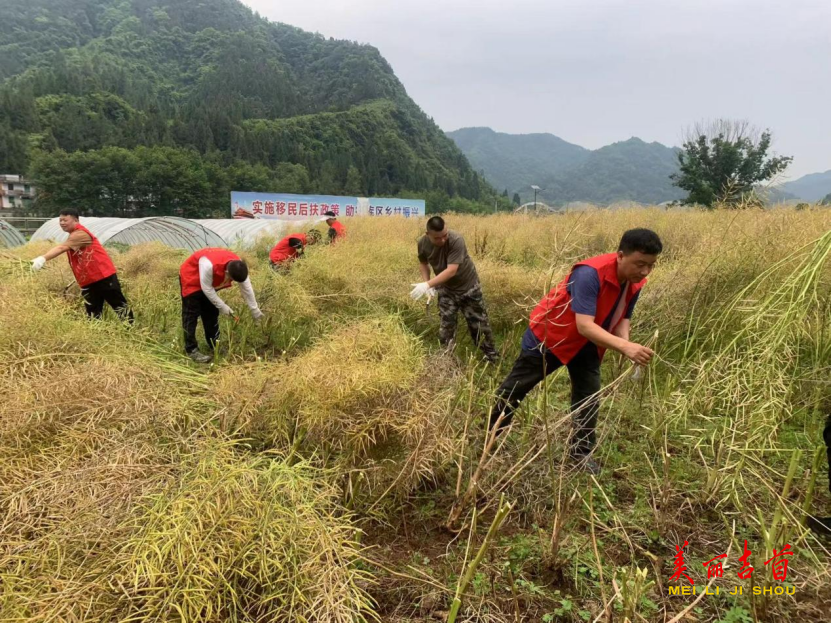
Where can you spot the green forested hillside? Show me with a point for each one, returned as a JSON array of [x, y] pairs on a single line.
[[245, 102], [630, 170], [516, 161]]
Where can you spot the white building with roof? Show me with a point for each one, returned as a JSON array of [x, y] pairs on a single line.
[[15, 192]]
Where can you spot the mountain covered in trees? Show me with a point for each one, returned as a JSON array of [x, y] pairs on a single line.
[[164, 106], [516, 161], [630, 170], [811, 187]]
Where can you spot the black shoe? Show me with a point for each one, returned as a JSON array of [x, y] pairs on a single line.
[[199, 357], [820, 525], [587, 464]]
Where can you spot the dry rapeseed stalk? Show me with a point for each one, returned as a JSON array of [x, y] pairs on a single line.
[[363, 394], [240, 539]]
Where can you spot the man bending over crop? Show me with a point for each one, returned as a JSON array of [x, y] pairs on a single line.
[[290, 248], [588, 312], [457, 284], [201, 275]]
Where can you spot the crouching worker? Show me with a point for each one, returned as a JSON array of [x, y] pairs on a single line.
[[588, 312], [336, 229], [93, 269], [290, 248], [201, 275]]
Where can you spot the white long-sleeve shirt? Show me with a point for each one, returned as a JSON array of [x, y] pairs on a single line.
[[206, 280]]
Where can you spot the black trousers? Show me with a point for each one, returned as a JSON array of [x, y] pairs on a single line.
[[194, 307], [532, 367], [106, 290]]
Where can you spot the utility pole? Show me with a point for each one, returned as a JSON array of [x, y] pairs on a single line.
[[536, 188]]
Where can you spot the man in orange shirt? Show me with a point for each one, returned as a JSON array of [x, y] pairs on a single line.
[[93, 269], [336, 230], [290, 248]]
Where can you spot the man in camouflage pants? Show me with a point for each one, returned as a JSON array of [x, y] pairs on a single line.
[[457, 284]]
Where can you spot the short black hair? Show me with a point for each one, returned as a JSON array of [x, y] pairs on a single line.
[[435, 223], [330, 214], [238, 270], [70, 212], [640, 239]]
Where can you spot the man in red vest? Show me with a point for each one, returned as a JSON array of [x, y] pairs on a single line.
[[93, 269], [336, 230], [290, 248], [587, 313], [201, 275]]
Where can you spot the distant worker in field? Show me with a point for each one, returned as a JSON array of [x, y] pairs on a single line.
[[588, 312], [290, 248], [457, 285], [336, 229], [93, 269], [200, 276]]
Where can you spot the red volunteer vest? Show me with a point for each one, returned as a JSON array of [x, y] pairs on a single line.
[[189, 272], [340, 229], [282, 252], [91, 263], [553, 322]]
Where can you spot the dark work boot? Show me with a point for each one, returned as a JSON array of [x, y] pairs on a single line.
[[200, 357], [820, 525], [586, 464]]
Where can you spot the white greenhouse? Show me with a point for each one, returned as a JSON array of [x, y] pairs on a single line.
[[179, 233], [244, 231], [10, 236]]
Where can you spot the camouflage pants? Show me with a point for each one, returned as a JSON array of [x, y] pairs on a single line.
[[472, 306]]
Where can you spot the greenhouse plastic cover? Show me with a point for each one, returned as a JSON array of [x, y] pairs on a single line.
[[10, 236], [179, 233], [245, 231]]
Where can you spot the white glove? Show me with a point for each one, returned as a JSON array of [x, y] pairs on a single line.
[[257, 314], [38, 263], [226, 311], [419, 290], [431, 293]]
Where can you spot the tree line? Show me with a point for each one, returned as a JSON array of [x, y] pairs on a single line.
[[99, 97]]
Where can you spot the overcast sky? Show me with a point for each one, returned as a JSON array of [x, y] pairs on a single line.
[[598, 71]]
